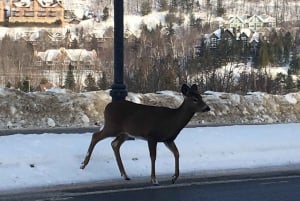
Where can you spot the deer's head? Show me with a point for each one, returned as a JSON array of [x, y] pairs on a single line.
[[194, 99]]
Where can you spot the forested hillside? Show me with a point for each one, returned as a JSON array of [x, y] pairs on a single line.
[[174, 49]]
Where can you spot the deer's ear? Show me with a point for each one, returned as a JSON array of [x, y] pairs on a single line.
[[184, 89], [194, 87]]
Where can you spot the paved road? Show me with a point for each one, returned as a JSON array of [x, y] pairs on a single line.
[[284, 187]]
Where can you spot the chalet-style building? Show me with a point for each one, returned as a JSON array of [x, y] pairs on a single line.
[[37, 11], [2, 12], [79, 58], [255, 22], [236, 22], [55, 63], [246, 37]]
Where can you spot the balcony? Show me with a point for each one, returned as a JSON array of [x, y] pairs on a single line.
[[41, 14], [29, 14], [52, 14]]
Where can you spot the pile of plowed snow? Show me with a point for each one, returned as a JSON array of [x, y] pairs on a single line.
[[67, 109]]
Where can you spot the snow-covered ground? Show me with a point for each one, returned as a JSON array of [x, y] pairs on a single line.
[[52, 159]]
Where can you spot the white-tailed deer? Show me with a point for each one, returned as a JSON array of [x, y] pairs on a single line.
[[124, 120]]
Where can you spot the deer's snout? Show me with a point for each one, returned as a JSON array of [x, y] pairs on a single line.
[[206, 109]]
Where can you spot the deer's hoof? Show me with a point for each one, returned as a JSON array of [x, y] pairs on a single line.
[[126, 177], [154, 182], [82, 166], [174, 178]]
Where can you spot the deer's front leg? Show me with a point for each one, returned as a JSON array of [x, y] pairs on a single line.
[[172, 146], [97, 136], [152, 144]]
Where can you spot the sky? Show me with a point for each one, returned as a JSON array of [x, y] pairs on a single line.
[[45, 160]]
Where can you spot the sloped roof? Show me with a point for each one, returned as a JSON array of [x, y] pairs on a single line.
[[42, 3], [79, 54], [34, 36], [252, 35], [71, 54], [244, 19], [255, 37], [218, 32], [22, 3], [239, 18], [49, 55], [267, 18], [256, 16], [50, 3], [246, 31]]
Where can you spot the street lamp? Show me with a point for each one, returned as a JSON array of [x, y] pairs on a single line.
[[118, 89]]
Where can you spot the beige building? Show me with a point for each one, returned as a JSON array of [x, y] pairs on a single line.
[[2, 12], [37, 11], [53, 64]]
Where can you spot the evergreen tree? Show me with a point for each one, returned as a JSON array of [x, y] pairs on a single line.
[[8, 84], [102, 82], [70, 80], [105, 13], [26, 85], [94, 43], [74, 44], [67, 39], [173, 6], [81, 34], [287, 46], [275, 47], [298, 84], [220, 8], [145, 8], [290, 86], [163, 5], [90, 83], [44, 81], [264, 57], [295, 64]]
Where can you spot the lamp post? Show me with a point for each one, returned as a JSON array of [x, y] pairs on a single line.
[[118, 88]]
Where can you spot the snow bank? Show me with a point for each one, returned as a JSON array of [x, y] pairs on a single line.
[[67, 109]]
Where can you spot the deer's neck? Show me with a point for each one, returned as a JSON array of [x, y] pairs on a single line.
[[184, 115]]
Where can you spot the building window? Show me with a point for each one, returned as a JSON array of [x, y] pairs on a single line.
[[38, 63], [213, 43], [15, 13], [52, 14], [229, 41]]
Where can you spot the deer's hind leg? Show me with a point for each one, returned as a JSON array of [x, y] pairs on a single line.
[[97, 136], [172, 146], [116, 144], [152, 144]]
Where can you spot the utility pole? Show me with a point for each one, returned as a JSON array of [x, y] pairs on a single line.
[[118, 91]]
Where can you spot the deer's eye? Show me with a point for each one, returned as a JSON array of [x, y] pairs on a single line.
[[195, 100]]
